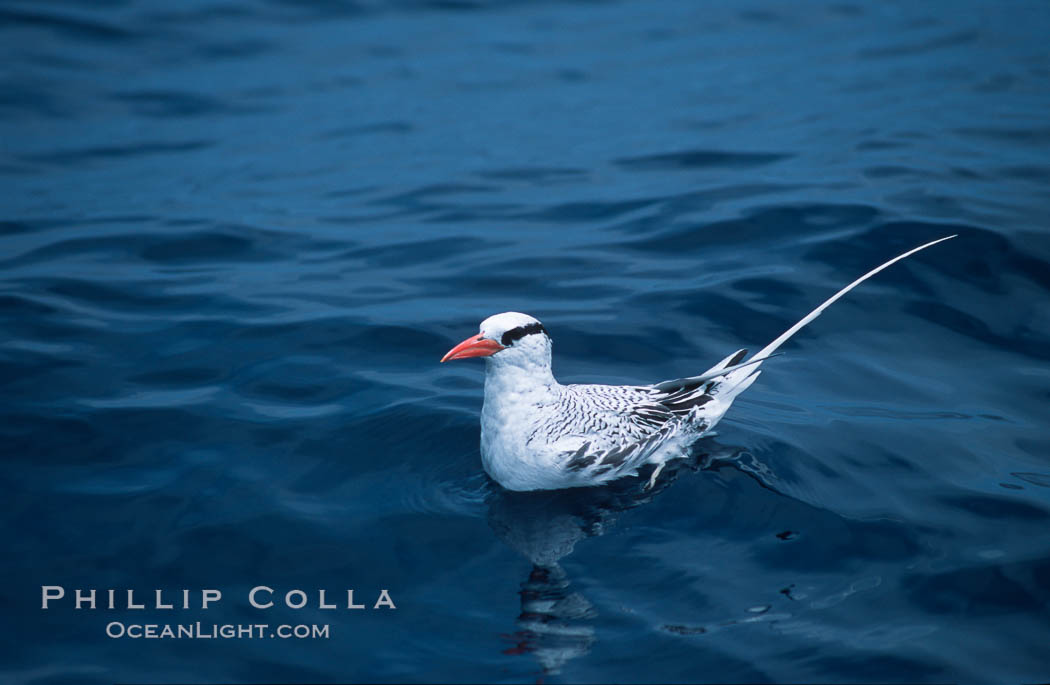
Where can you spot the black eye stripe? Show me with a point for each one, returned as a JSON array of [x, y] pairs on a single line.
[[520, 332]]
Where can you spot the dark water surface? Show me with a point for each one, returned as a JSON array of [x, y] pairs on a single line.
[[238, 235]]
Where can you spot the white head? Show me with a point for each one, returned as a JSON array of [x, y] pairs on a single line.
[[507, 339]]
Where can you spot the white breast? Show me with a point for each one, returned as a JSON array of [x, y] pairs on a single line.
[[515, 409]]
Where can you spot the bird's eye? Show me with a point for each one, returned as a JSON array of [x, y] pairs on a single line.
[[515, 334]]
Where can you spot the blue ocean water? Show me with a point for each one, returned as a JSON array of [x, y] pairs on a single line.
[[237, 236]]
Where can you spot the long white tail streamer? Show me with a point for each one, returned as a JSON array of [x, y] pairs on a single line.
[[771, 347], [767, 351]]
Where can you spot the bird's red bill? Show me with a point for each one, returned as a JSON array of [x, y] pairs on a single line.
[[473, 347]]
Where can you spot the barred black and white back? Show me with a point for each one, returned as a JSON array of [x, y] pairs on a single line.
[[628, 427]]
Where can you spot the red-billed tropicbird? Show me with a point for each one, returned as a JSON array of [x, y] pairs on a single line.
[[537, 434]]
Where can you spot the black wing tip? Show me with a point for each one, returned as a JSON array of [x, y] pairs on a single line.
[[678, 384]]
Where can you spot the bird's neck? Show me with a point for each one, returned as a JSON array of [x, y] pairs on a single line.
[[518, 380]]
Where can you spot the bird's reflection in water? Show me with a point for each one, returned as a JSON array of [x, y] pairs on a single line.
[[555, 622]]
